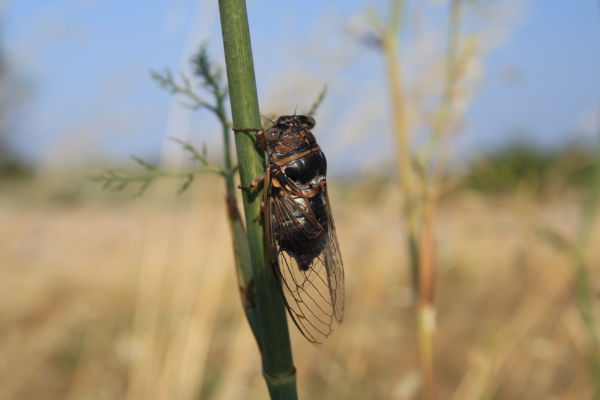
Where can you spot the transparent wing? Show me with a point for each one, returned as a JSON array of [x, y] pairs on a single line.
[[335, 267], [313, 290]]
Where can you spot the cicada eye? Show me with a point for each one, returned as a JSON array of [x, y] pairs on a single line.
[[307, 121], [271, 134]]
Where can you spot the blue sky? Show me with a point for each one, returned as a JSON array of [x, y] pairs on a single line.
[[86, 65]]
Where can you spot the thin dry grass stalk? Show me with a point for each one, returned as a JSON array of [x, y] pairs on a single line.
[[420, 206]]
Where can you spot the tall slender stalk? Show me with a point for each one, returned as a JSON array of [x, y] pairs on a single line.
[[403, 156], [278, 367], [419, 234], [241, 250], [432, 185], [420, 206]]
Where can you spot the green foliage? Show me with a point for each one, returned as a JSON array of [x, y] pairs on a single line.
[[120, 180], [12, 168], [521, 165], [211, 79], [210, 73]]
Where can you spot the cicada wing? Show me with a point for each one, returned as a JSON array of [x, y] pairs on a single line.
[[313, 294], [335, 267]]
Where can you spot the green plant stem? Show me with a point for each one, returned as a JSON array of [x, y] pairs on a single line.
[[241, 249], [278, 367], [243, 260], [315, 106]]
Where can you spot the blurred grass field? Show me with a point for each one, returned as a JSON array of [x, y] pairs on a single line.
[[108, 297]]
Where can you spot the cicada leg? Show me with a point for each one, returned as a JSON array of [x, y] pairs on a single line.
[[255, 182], [246, 130], [259, 137]]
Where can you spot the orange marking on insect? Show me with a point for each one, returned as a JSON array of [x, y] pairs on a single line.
[[293, 157], [314, 192], [276, 182]]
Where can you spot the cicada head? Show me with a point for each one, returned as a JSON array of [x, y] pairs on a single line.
[[296, 121], [289, 134]]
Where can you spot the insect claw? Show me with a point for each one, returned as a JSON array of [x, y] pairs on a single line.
[[261, 213]]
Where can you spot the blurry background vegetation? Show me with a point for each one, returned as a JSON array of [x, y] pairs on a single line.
[[104, 296]]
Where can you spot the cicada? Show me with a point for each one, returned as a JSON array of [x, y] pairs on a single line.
[[299, 227]]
